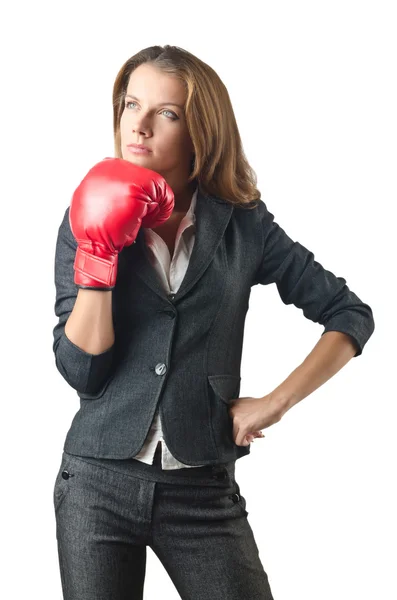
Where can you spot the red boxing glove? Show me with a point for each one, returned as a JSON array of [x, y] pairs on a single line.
[[109, 206]]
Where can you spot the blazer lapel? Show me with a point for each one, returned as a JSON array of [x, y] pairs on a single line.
[[212, 216]]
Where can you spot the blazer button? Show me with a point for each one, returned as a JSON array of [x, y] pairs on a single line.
[[65, 474], [170, 313], [171, 296], [160, 368]]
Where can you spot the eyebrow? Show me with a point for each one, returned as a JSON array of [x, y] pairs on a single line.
[[162, 104]]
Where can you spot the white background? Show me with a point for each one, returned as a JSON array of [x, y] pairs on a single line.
[[313, 86]]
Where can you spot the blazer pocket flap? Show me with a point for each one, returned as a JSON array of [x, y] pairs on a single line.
[[227, 387]]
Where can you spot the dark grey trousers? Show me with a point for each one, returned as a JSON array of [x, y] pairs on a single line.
[[195, 520]]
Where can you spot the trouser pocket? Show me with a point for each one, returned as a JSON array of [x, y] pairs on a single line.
[[238, 498], [63, 482]]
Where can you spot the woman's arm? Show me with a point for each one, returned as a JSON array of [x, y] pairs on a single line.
[[90, 324], [332, 352], [83, 337]]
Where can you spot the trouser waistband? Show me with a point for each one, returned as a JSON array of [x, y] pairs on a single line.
[[204, 475]]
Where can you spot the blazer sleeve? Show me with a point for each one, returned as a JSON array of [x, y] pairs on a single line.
[[84, 372], [304, 282]]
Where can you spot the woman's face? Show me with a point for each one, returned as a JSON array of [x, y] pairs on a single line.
[[151, 118]]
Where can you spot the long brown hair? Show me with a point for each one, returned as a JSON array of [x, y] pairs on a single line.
[[220, 165]]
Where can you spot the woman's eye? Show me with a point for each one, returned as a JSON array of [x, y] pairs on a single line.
[[173, 117], [171, 113]]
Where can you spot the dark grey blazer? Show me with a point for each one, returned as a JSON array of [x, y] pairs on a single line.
[[183, 352]]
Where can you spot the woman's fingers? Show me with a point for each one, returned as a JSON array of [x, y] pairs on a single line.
[[251, 436]]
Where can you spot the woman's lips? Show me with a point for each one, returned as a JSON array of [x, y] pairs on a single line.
[[135, 150]]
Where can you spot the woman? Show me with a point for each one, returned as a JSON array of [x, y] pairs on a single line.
[[155, 260]]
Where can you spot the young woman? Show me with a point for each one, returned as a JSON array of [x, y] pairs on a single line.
[[155, 260]]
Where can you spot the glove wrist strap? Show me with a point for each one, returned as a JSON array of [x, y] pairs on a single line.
[[91, 270]]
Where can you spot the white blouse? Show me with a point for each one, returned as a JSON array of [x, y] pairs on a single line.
[[171, 273]]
